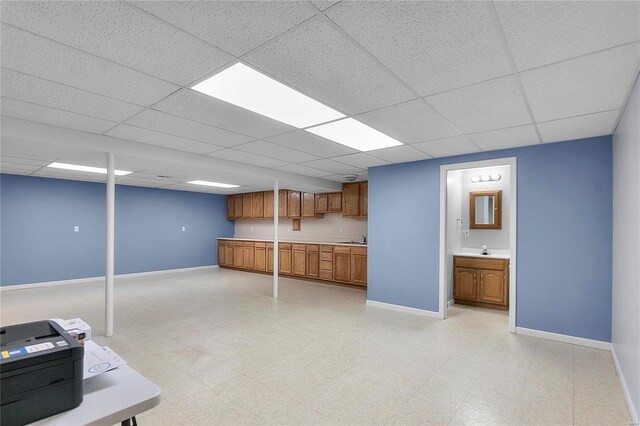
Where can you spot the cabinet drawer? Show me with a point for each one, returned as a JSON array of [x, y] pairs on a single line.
[[342, 250], [282, 246], [326, 249], [299, 247], [260, 245], [313, 248], [359, 250], [326, 275], [476, 262], [325, 265], [238, 243], [326, 256]]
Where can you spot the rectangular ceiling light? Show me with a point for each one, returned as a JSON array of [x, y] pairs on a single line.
[[354, 134], [89, 169], [252, 90], [216, 184]]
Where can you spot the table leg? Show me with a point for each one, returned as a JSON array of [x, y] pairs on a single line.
[[129, 422]]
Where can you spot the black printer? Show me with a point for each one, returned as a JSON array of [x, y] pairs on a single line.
[[41, 372]]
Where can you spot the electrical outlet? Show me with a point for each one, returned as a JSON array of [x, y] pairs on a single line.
[[76, 228], [466, 233], [184, 228]]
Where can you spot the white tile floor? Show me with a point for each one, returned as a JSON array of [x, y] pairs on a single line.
[[224, 352]]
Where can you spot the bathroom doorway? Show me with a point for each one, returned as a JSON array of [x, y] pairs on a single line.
[[478, 235]]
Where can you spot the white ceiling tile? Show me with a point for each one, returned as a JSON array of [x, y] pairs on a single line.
[[139, 134], [312, 144], [21, 160], [540, 33], [320, 62], [360, 160], [271, 150], [494, 104], [55, 117], [505, 138], [399, 154], [302, 170], [324, 4], [432, 46], [457, 145], [14, 171], [234, 26], [30, 54], [38, 91], [121, 33], [28, 168], [332, 166], [409, 122], [197, 106], [196, 188], [166, 123], [247, 157], [584, 126], [592, 83]]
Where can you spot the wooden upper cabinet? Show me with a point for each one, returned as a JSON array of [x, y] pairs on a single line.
[[237, 201], [364, 198], [231, 210], [322, 203], [283, 203], [293, 204], [351, 199], [308, 204], [247, 206], [258, 205], [268, 205], [359, 265], [335, 201]]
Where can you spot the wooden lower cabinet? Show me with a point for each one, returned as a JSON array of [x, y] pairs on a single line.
[[344, 264], [481, 282]]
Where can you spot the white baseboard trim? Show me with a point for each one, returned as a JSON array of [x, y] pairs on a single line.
[[101, 279], [404, 309], [451, 302], [625, 389], [564, 338]]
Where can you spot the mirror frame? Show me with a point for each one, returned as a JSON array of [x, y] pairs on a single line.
[[497, 210]]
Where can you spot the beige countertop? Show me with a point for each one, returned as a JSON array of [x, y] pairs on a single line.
[[327, 243], [485, 256]]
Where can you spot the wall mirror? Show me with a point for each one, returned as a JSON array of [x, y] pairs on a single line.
[[485, 208]]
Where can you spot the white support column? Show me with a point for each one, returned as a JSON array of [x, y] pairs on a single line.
[[110, 249], [276, 216]]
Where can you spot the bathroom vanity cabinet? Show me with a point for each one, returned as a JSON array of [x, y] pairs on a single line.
[[481, 281]]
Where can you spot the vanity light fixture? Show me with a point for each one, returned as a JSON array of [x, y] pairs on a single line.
[[485, 178], [89, 169], [215, 184], [354, 134], [247, 88]]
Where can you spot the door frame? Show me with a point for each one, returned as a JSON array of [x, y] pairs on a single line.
[[513, 216]]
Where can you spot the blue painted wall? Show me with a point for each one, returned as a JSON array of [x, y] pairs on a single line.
[[564, 238], [38, 244]]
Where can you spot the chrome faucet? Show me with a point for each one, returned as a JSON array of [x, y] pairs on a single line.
[[364, 240]]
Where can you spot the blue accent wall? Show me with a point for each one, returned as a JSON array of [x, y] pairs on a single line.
[[564, 235], [38, 244]]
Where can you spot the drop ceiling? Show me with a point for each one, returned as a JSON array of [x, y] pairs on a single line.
[[444, 78]]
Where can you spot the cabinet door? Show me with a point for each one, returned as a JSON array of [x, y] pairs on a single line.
[[293, 204], [464, 283], [260, 257], [359, 265], [238, 254], [342, 264], [351, 199], [249, 255], [282, 203], [247, 206], [299, 264], [284, 260], [228, 253], [308, 204], [237, 204], [313, 261], [335, 202], [231, 210], [270, 257], [492, 287], [221, 252], [257, 205], [363, 202], [268, 205], [322, 203]]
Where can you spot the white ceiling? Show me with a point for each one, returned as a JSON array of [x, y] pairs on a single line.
[[445, 78]]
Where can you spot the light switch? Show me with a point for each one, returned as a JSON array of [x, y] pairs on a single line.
[[466, 233], [76, 228], [184, 228]]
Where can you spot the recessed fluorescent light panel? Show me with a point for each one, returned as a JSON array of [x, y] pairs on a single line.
[[252, 90], [215, 184], [89, 169], [354, 134]]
